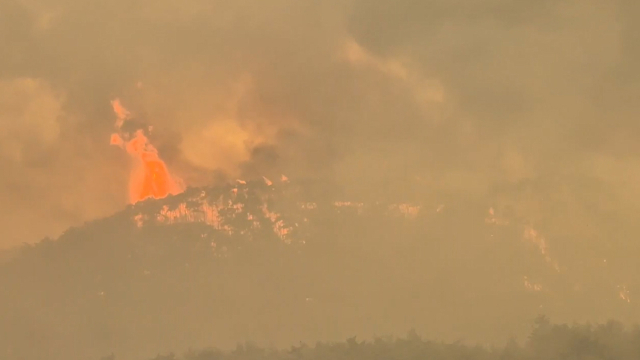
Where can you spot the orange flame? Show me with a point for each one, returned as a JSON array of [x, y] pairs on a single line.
[[149, 175]]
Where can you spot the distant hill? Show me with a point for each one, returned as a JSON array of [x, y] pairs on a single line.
[[276, 263]]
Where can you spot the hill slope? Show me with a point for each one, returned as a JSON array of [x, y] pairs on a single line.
[[277, 264]]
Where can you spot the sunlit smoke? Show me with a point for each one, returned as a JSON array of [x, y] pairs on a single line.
[[150, 176]]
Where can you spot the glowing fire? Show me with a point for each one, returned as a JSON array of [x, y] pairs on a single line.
[[533, 236], [493, 219], [243, 208], [149, 175], [624, 293], [531, 286]]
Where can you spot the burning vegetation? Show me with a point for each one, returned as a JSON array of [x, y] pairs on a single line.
[[277, 262], [150, 177]]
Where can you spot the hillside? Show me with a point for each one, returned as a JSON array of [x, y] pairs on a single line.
[[277, 264]]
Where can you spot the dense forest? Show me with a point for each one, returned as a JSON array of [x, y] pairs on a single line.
[[547, 341]]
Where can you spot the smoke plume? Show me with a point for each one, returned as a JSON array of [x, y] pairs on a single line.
[[526, 106]]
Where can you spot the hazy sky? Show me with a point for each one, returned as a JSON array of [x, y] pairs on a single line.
[[531, 103]]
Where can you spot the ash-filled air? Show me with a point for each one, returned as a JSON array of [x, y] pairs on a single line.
[[472, 162]]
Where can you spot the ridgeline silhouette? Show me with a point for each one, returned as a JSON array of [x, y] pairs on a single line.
[[547, 341]]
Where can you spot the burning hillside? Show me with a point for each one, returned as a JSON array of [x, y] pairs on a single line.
[[243, 208], [238, 208], [278, 262]]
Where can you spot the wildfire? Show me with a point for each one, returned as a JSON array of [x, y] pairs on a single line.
[[533, 236], [244, 208], [624, 293], [149, 175], [531, 286], [493, 219]]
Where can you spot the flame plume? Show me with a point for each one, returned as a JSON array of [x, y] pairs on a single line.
[[150, 176]]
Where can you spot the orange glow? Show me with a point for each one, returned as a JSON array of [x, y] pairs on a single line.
[[149, 175], [533, 236], [225, 212], [624, 293], [531, 286], [116, 140], [122, 113], [493, 219]]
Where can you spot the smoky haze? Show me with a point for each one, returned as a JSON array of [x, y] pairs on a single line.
[[526, 107], [469, 97]]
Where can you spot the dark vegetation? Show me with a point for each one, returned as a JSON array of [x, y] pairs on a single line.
[[547, 341]]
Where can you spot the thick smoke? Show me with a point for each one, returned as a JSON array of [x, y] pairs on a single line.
[[524, 105]]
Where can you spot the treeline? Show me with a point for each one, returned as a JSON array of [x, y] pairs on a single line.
[[547, 341]]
